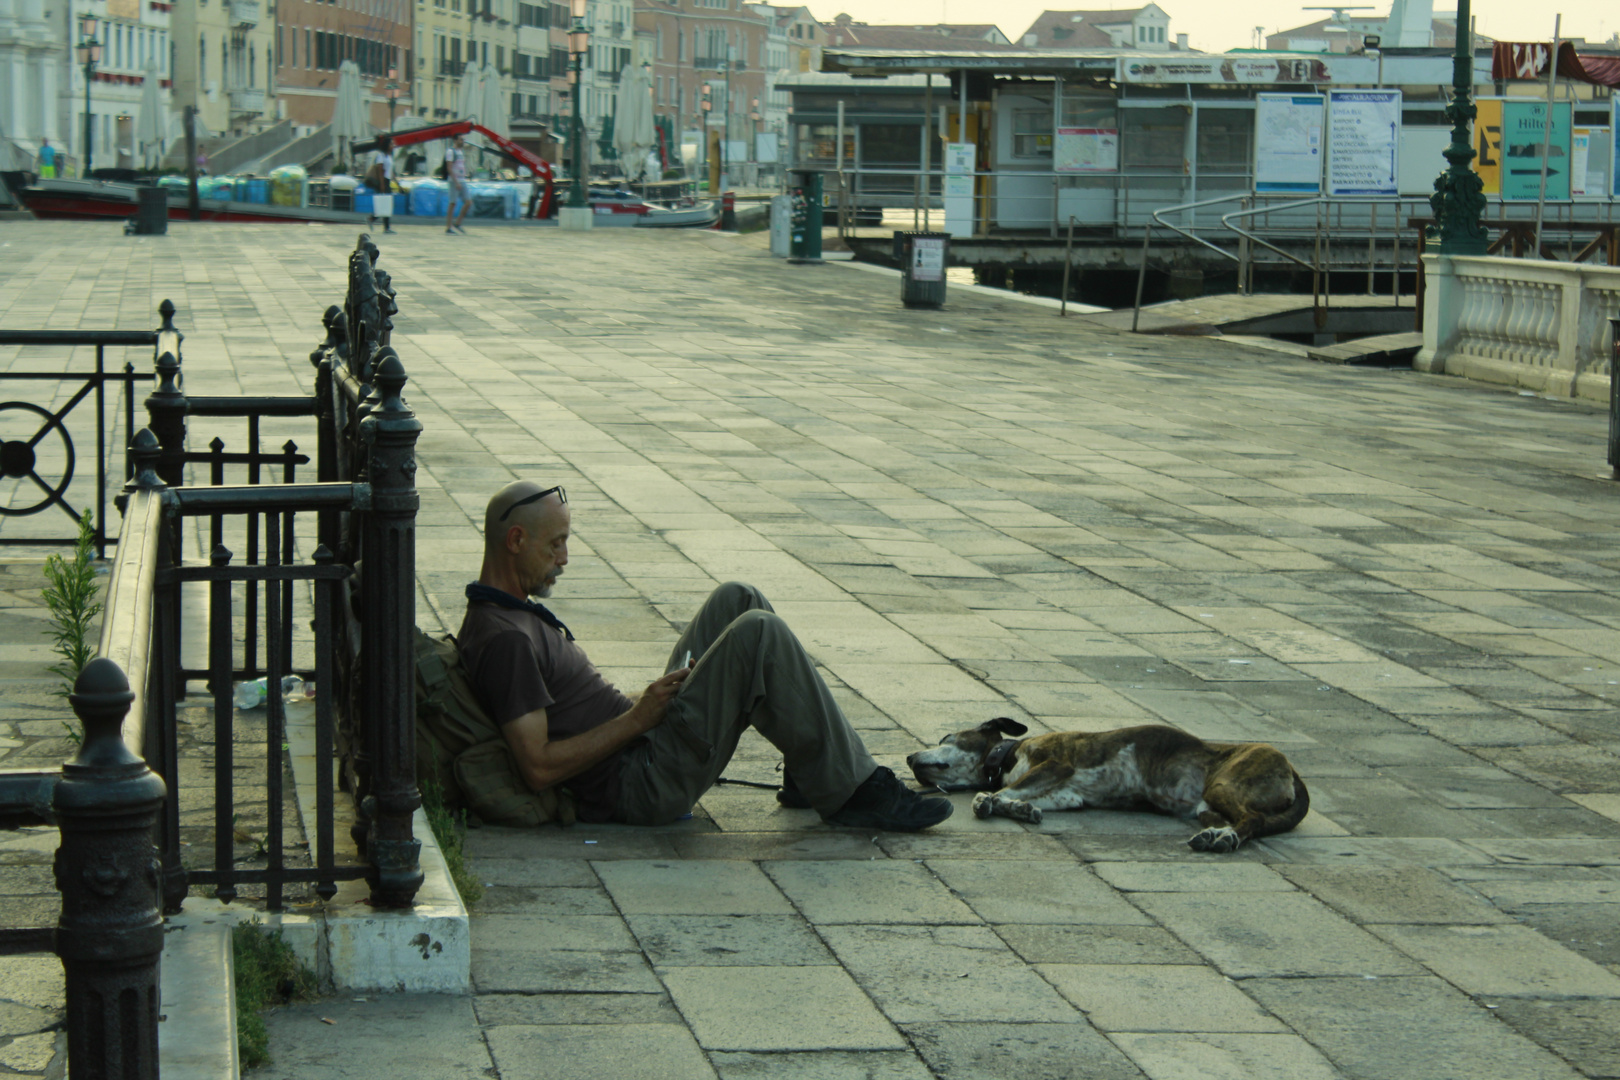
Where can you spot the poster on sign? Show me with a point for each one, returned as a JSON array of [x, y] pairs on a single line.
[[1364, 138], [1081, 149], [1524, 132], [927, 259], [1288, 143]]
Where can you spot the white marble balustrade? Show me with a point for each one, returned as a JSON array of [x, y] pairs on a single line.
[[1524, 322]]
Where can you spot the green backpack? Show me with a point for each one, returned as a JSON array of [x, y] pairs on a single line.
[[460, 748]]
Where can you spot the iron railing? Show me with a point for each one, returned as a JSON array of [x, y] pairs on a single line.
[[20, 459], [364, 502]]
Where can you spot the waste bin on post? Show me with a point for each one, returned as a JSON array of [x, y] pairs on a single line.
[[805, 190], [922, 267], [151, 211]]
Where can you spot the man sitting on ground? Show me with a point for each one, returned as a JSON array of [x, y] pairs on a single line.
[[648, 761]]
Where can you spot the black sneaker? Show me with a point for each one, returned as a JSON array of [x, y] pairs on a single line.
[[883, 802], [790, 796]]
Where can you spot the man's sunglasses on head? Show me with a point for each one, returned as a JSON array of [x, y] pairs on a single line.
[[562, 496]]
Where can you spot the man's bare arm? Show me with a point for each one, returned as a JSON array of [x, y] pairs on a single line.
[[545, 761]]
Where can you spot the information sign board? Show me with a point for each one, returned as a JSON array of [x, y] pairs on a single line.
[[1288, 143], [1364, 138]]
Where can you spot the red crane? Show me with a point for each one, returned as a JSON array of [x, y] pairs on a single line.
[[540, 206]]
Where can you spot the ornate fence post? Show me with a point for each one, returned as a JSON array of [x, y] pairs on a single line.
[[166, 416], [390, 589], [110, 935]]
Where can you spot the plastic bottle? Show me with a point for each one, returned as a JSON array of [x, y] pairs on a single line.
[[250, 695], [292, 688]]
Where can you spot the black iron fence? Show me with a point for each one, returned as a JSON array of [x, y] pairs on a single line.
[[364, 504], [47, 459]]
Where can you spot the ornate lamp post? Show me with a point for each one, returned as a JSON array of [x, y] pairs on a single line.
[[579, 40], [89, 50], [392, 90], [1459, 193]]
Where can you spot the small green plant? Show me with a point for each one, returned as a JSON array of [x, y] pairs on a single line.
[[71, 597], [447, 830], [267, 973]]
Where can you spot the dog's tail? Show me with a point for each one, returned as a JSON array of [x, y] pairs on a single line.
[[1283, 820]]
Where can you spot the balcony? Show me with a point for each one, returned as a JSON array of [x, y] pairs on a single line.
[[244, 13], [250, 102]]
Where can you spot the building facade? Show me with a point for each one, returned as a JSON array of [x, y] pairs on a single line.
[[315, 37], [34, 60], [224, 64], [707, 53], [134, 36], [1126, 28]]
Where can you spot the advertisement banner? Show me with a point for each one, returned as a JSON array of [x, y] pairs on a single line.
[[1288, 143], [1086, 150], [1488, 144], [1364, 137], [1523, 129], [1228, 68], [1580, 154]]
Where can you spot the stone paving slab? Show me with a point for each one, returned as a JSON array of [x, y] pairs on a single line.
[[1405, 581]]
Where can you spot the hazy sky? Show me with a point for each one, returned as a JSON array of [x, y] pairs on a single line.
[[1217, 25]]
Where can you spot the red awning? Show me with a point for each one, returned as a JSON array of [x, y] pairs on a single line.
[[1528, 60]]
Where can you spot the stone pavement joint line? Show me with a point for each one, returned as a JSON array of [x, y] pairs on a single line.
[[1406, 582]]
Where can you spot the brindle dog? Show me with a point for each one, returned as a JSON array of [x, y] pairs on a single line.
[[1237, 791]]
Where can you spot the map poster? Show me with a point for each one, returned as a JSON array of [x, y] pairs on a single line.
[[1288, 143], [1364, 138], [1523, 130], [1082, 149]]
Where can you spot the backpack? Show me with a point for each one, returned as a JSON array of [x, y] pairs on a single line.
[[459, 748]]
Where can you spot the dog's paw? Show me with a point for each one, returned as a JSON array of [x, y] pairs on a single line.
[[1019, 810], [1221, 841], [984, 804]]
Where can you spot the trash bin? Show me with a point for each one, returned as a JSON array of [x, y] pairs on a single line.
[[151, 211], [922, 267]]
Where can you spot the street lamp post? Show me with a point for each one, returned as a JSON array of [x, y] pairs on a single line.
[[725, 148], [89, 50], [391, 88], [1459, 193], [579, 39]]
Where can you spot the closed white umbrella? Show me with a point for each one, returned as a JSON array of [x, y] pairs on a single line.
[[470, 96], [151, 120], [349, 120], [633, 132], [493, 113]]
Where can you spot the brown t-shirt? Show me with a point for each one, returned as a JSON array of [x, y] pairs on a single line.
[[518, 664]]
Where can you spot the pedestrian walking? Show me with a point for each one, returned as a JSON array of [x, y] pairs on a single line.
[[455, 174], [47, 160], [380, 179]]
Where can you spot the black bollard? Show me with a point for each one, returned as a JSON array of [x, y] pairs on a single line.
[[110, 935], [1614, 396]]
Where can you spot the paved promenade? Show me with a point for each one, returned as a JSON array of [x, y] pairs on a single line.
[[1408, 583]]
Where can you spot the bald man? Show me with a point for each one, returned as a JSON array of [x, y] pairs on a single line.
[[647, 761]]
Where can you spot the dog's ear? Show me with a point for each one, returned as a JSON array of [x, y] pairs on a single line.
[[1003, 725]]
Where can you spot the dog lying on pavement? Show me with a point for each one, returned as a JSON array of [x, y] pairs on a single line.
[[1237, 791]]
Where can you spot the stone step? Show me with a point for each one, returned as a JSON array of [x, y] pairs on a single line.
[[1385, 349], [197, 1020]]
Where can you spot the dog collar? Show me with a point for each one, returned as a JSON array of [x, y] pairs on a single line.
[[995, 764]]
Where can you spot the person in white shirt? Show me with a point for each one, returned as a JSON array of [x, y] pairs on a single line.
[[382, 172], [455, 174]]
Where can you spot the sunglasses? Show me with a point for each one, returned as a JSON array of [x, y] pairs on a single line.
[[562, 496]]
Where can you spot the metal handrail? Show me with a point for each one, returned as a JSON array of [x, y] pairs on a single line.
[[1147, 233]]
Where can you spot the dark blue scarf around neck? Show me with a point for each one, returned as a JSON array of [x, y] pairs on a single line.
[[488, 594]]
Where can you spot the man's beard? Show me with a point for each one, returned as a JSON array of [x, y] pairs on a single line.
[[543, 589]]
